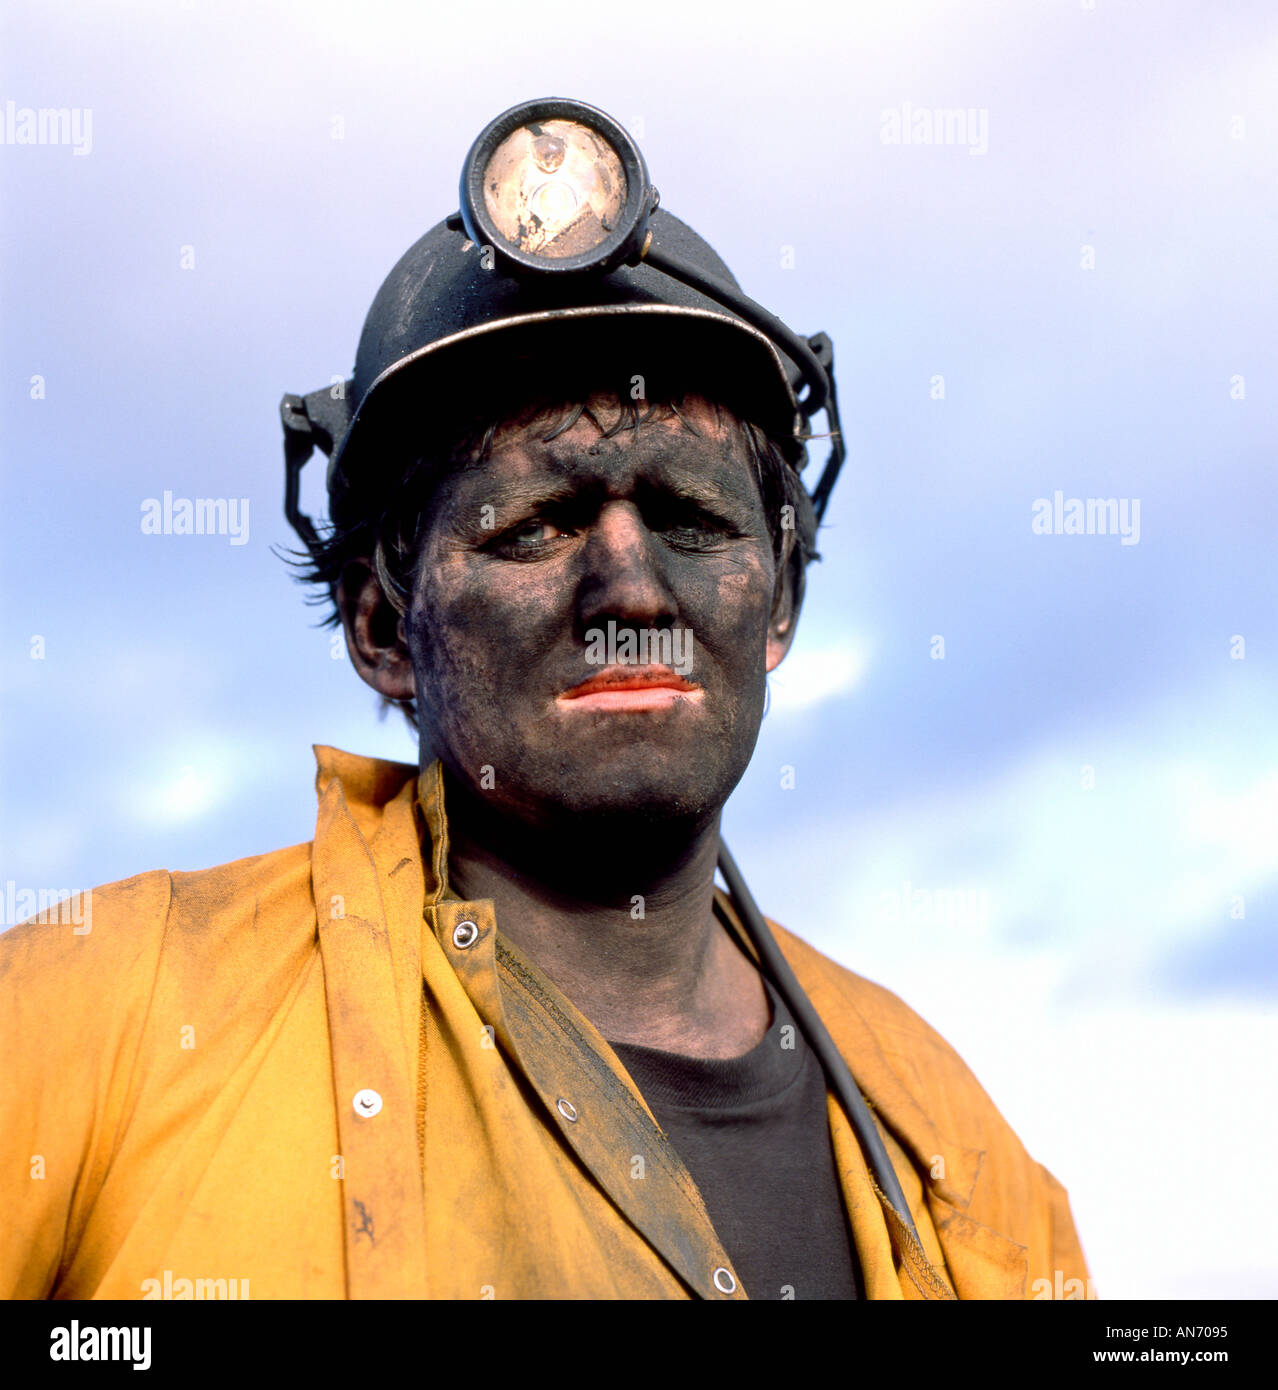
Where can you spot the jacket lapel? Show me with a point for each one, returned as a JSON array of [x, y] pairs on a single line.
[[374, 1066]]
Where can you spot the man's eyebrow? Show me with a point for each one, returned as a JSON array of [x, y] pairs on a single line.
[[513, 494], [693, 489]]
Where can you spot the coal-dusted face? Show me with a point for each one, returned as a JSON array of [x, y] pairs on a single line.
[[592, 620]]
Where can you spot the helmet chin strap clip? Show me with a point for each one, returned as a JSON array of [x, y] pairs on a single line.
[[823, 350], [315, 421]]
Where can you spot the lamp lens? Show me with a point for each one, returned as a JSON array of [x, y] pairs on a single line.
[[555, 189]]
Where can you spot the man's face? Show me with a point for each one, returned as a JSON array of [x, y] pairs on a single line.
[[535, 558]]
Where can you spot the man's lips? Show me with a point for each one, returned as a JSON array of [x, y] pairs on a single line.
[[630, 688], [629, 678]]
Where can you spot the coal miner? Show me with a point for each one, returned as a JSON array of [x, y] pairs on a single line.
[[495, 1032]]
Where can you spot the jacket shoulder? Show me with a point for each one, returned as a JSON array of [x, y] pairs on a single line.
[[264, 888], [919, 1058], [932, 1092], [96, 929], [114, 923], [882, 1010], [79, 985]]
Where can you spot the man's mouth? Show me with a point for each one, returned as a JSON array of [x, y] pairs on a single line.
[[631, 688]]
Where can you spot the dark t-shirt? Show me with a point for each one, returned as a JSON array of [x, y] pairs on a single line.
[[754, 1133]]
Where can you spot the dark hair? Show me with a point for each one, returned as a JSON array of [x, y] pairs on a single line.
[[389, 534]]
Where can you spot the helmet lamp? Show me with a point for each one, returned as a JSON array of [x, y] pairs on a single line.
[[558, 187]]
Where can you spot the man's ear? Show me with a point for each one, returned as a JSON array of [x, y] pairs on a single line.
[[787, 600], [375, 633]]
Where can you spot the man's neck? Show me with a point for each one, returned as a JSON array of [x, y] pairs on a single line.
[[623, 924]]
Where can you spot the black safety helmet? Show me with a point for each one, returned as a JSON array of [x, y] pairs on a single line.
[[559, 246]]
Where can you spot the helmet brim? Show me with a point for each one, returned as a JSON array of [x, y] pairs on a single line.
[[641, 350]]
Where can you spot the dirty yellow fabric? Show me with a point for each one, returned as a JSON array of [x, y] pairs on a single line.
[[186, 1097]]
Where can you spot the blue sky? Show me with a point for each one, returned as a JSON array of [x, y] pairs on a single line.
[[1094, 972]]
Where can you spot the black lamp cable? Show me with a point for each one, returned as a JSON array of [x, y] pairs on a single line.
[[818, 1036]]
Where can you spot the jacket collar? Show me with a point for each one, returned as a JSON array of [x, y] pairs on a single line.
[[376, 799]]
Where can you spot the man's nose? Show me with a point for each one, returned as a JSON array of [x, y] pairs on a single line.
[[623, 577]]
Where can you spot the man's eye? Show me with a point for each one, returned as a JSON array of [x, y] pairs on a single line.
[[695, 529], [530, 535]]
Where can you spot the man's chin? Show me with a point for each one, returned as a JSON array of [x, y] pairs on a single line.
[[649, 789]]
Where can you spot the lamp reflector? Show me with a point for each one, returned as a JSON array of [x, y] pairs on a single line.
[[554, 188]]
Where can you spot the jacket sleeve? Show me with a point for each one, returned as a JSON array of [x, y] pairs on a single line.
[[1067, 1250], [74, 990]]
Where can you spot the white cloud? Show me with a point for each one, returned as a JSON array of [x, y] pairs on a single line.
[[809, 677], [1148, 859], [1151, 1109]]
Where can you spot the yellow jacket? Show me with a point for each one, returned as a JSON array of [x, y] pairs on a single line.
[[286, 1073]]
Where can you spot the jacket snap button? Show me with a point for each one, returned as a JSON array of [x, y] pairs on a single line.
[[465, 934], [723, 1280], [367, 1103], [567, 1109]]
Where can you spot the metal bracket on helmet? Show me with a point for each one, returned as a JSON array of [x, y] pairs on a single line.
[[315, 421], [812, 357], [823, 350]]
